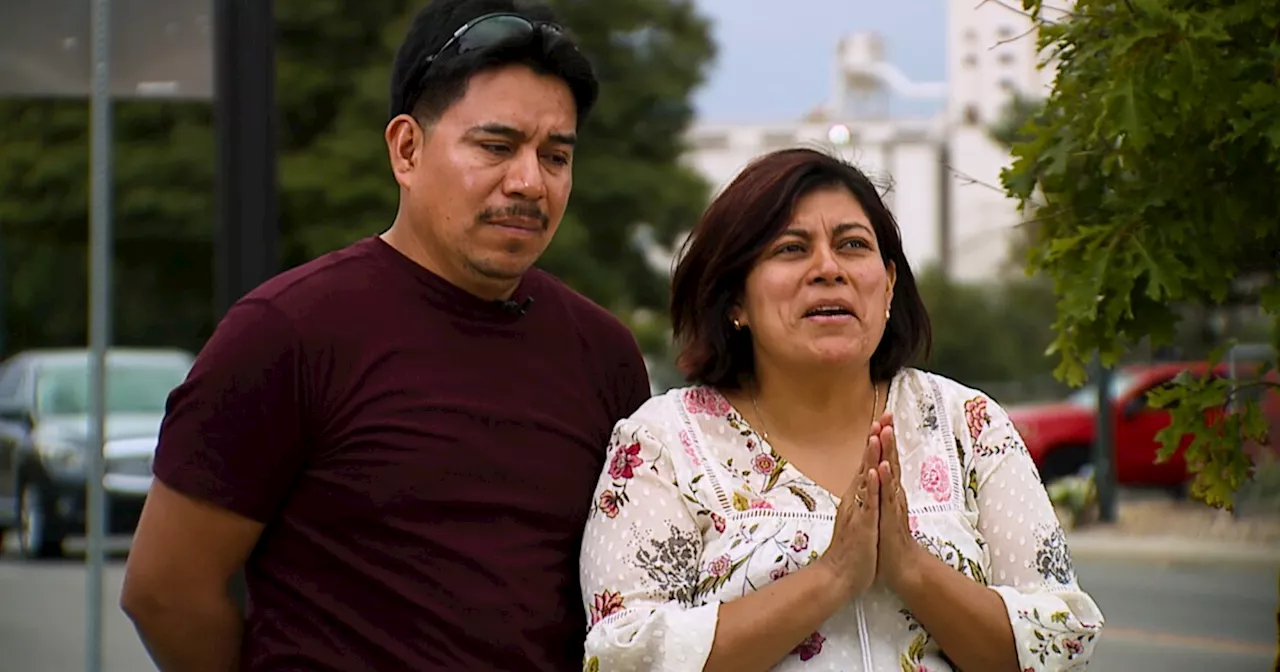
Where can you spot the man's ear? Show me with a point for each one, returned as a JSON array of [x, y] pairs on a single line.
[[405, 138]]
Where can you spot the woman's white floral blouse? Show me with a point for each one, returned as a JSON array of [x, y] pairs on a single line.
[[695, 509]]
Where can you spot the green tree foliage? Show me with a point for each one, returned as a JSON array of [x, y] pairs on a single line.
[[1153, 171], [333, 60], [985, 334]]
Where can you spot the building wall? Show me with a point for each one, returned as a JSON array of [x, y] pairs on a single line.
[[945, 171], [902, 157], [991, 57]]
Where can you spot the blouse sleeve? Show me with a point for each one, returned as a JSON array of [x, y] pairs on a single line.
[[640, 562], [1055, 623]]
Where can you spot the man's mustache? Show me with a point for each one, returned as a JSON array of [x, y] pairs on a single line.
[[528, 210]]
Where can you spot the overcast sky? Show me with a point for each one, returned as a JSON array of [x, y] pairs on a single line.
[[775, 56]]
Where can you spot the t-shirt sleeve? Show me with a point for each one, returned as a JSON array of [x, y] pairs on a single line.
[[631, 375], [232, 433]]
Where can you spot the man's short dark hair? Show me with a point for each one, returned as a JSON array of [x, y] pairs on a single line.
[[731, 237], [426, 92]]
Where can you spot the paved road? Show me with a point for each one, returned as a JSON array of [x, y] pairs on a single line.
[[1183, 618], [1160, 618]]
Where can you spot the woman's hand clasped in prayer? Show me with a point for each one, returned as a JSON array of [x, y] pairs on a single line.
[[851, 557], [897, 548]]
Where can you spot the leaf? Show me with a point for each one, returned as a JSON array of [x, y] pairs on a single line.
[[916, 649], [712, 583], [1156, 192], [804, 498], [1135, 128], [651, 55], [773, 476], [976, 573], [1269, 298], [740, 502]]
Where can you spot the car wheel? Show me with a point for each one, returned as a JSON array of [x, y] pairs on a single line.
[[39, 533]]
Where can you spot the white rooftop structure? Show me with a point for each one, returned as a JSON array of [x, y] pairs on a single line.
[[942, 173]]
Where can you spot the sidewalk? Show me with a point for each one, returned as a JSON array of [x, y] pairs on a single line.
[[1165, 530], [1111, 545]]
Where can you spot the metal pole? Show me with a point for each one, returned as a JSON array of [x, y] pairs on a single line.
[[99, 320], [4, 301], [1104, 466], [247, 236]]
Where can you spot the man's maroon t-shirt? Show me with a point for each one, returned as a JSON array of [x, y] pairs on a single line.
[[423, 460]]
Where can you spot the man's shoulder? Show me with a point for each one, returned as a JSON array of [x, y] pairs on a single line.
[[336, 272]]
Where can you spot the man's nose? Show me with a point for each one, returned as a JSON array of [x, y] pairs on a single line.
[[524, 176]]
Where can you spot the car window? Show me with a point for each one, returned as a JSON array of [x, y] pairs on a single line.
[[63, 389], [1087, 396], [10, 382]]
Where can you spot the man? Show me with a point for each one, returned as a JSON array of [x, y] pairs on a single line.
[[398, 441]]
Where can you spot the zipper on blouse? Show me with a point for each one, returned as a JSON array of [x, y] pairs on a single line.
[[867, 664]]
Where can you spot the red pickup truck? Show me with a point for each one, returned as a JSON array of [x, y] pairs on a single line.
[[1060, 435]]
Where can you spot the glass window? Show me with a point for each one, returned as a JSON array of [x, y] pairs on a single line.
[[135, 387], [10, 381], [1087, 396]]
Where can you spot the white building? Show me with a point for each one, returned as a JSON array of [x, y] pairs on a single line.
[[944, 171]]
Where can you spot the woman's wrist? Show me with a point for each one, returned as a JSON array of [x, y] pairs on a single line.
[[906, 578], [834, 585]]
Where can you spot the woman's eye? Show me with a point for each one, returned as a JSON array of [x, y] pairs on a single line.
[[791, 248]]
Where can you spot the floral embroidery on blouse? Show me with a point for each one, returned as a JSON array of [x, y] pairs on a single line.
[[975, 416], [1053, 561], [810, 647], [934, 478], [706, 401], [605, 604], [694, 509], [1056, 638]]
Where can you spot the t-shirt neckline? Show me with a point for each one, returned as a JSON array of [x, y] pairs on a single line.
[[446, 295]]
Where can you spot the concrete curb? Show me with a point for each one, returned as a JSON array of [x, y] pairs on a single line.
[[1094, 546]]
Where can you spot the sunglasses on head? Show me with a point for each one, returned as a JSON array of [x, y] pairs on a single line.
[[491, 30], [484, 32]]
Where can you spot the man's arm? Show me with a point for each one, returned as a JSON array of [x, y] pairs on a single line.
[[184, 554], [230, 448], [631, 381]]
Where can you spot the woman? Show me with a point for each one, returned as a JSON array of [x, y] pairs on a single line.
[[811, 503]]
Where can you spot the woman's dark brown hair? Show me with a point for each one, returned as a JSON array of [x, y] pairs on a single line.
[[731, 237]]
